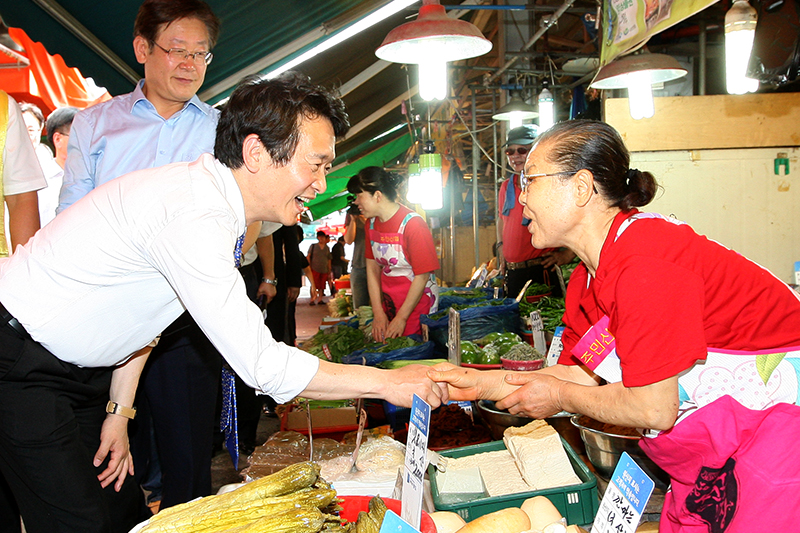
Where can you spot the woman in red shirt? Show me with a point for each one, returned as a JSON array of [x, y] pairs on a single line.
[[667, 331], [401, 282]]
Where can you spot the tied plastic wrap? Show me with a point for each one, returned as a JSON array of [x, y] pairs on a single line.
[[476, 322], [448, 300], [411, 353]]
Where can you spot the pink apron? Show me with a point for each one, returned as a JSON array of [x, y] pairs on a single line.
[[397, 275], [732, 454]]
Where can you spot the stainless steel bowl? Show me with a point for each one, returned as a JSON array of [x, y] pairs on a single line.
[[605, 449], [498, 420]]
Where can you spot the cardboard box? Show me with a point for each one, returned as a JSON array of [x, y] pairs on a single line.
[[331, 423]]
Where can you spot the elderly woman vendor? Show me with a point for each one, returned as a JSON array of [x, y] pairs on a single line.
[[666, 331]]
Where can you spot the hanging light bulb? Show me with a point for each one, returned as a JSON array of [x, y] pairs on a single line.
[[433, 39], [515, 111], [416, 189], [637, 73], [433, 80], [740, 30], [547, 112], [430, 170], [640, 95]]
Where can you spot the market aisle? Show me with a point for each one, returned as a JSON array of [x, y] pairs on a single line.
[[308, 318]]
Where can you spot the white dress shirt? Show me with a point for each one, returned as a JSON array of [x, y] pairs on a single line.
[[106, 276]]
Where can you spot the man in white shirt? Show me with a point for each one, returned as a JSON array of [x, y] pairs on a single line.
[[119, 265], [21, 178]]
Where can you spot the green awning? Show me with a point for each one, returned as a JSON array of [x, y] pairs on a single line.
[[335, 197]]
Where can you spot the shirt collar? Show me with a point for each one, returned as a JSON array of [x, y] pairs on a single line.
[[138, 96], [230, 189]]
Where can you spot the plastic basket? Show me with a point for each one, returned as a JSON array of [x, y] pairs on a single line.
[[577, 503]]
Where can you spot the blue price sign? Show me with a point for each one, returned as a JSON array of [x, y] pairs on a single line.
[[416, 461], [625, 498]]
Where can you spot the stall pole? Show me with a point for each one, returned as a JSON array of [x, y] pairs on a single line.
[[475, 172]]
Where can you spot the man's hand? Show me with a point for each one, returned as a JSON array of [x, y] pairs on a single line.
[[538, 395], [401, 384], [114, 445], [292, 293], [469, 384], [557, 258], [267, 290]]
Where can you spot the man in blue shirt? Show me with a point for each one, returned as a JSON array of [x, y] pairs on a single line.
[[162, 121]]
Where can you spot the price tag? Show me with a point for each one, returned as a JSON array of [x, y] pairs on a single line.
[[556, 347], [625, 498], [394, 524], [416, 461], [454, 337], [537, 330]]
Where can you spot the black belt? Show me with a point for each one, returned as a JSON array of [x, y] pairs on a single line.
[[523, 264], [7, 319]]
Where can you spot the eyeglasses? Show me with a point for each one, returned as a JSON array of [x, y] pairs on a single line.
[[522, 150], [179, 54], [526, 179]]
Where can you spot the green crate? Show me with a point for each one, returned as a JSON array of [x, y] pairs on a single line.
[[577, 503]]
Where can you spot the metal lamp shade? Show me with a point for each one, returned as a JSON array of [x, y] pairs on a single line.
[[433, 36], [518, 106], [659, 67]]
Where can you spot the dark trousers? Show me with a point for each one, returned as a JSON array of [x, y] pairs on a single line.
[[51, 413], [178, 389]]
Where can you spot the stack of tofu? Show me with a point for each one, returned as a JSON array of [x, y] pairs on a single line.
[[534, 459]]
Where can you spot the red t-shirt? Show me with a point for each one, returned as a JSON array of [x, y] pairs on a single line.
[[517, 245], [671, 295], [422, 256]]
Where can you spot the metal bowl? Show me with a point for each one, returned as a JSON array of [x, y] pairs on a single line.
[[605, 449], [498, 420]]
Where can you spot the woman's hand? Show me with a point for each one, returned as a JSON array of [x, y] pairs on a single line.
[[470, 384], [380, 323], [396, 328], [537, 395]]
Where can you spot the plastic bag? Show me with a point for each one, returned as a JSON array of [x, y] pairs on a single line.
[[412, 353], [476, 322], [447, 300]]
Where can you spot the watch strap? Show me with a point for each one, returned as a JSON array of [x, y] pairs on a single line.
[[114, 408]]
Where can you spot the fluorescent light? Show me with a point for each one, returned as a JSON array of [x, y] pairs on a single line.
[[547, 112], [740, 31], [370, 20], [387, 132], [433, 80]]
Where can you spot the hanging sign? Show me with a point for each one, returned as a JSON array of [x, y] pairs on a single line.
[[628, 24]]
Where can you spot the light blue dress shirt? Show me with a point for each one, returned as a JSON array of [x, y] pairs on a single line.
[[126, 134]]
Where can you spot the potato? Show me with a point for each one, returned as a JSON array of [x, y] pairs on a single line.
[[511, 520], [447, 521], [541, 512]]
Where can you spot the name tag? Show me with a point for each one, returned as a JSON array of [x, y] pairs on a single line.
[[597, 349]]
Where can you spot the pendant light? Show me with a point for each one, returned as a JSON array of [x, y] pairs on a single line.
[[431, 42], [515, 111], [416, 189], [740, 30], [430, 176], [547, 111], [637, 73]]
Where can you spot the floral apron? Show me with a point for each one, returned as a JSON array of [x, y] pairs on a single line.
[[397, 275], [732, 454]]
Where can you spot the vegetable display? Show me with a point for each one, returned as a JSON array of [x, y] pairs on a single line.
[[551, 309], [293, 499], [338, 341]]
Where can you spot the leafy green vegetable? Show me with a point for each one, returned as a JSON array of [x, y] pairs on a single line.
[[472, 293], [401, 363], [392, 345], [551, 309], [340, 341]]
